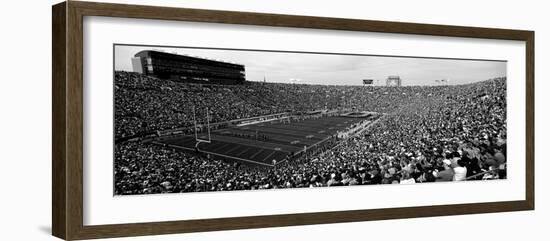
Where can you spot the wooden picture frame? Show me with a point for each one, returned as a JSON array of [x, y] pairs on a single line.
[[67, 123]]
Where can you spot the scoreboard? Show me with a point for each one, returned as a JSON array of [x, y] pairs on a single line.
[[367, 81]]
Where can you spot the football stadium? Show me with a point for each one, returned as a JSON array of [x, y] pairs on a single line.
[[185, 124]]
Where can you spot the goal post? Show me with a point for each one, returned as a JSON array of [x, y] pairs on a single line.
[[196, 127]]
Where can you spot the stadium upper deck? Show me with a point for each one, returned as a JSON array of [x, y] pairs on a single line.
[[187, 68]]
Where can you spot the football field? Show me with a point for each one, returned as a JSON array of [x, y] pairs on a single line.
[[264, 142]]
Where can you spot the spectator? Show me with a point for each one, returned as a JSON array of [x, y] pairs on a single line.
[[460, 171], [447, 174]]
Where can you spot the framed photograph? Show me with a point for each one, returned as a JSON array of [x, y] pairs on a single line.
[[171, 120]]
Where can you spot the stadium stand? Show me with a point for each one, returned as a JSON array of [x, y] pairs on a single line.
[[428, 134]]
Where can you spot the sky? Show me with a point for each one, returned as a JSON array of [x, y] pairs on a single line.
[[334, 69]]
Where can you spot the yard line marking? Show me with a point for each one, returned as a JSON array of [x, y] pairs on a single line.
[[273, 152], [220, 147], [242, 152], [255, 154], [232, 149], [250, 142]]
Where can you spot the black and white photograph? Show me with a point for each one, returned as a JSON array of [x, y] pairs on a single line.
[[274, 120], [192, 119]]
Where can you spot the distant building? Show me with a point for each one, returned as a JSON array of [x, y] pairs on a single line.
[[186, 68], [393, 80]]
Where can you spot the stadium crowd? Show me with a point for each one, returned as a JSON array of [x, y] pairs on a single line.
[[145, 104], [429, 134]]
